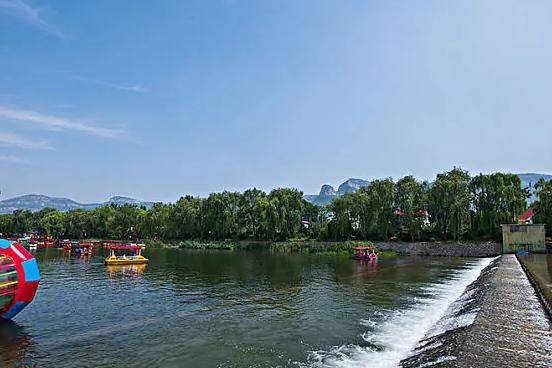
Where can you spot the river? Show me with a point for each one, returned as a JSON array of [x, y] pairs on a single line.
[[232, 309]]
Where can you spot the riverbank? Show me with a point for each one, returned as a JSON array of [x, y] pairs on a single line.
[[448, 249], [497, 322], [279, 247]]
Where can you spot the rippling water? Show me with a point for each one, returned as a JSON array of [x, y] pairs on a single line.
[[231, 309]]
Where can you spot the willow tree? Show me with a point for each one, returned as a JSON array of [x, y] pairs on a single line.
[[186, 217], [342, 219], [289, 207], [373, 206], [219, 215], [23, 221], [449, 203], [250, 215], [543, 204], [411, 203], [265, 210], [6, 224], [496, 199], [54, 223], [78, 224]]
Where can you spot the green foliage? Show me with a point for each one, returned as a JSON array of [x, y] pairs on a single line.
[[192, 244], [411, 201], [54, 223], [373, 209], [287, 206], [543, 205], [310, 247], [449, 203], [496, 199], [455, 206], [221, 216]]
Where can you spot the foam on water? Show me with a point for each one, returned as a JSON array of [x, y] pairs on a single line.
[[397, 335]]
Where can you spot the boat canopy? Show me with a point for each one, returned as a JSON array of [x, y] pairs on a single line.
[[125, 247], [363, 247]]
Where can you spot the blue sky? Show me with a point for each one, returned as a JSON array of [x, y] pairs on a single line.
[[159, 99]]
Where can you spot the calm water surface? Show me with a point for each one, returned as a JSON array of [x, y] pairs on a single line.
[[224, 309]]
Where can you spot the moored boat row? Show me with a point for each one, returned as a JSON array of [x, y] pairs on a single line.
[[120, 252]]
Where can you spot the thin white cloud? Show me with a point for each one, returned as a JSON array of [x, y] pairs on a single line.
[[16, 140], [135, 88], [28, 14], [12, 159], [58, 123]]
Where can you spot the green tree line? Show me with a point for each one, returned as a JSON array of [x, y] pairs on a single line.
[[454, 206]]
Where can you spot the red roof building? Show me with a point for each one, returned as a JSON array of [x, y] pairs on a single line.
[[527, 216]]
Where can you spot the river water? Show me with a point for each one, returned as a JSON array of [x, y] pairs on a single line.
[[232, 309]]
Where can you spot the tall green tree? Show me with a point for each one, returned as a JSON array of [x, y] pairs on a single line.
[[24, 221], [78, 224], [219, 215], [543, 204], [449, 203], [411, 203], [249, 217], [343, 219], [187, 217], [54, 223], [288, 204], [154, 223], [496, 199]]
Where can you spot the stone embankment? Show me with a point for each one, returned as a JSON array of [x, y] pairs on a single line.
[[415, 248], [443, 249], [498, 322]]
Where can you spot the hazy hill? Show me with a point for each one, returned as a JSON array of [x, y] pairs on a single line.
[[530, 179], [36, 202]]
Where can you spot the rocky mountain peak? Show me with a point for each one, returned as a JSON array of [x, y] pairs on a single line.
[[351, 185], [327, 190]]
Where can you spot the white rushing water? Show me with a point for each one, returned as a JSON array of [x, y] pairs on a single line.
[[398, 334]]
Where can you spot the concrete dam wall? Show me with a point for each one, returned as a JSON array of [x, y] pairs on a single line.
[[498, 322]]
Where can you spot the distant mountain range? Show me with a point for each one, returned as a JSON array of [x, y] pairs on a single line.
[[528, 180], [36, 202], [328, 193]]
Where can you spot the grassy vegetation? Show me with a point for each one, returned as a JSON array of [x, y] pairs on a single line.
[[191, 244], [315, 247], [292, 246]]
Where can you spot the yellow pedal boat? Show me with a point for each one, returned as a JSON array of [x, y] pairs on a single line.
[[125, 254]]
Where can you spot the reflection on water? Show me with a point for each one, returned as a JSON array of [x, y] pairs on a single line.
[[126, 270], [14, 345], [213, 308], [539, 264]]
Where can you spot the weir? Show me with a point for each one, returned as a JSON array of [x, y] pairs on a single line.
[[498, 322]]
